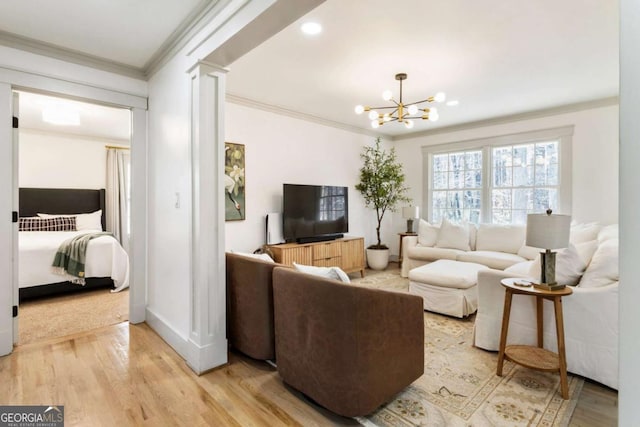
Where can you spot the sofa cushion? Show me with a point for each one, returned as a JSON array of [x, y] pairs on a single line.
[[569, 266], [453, 236], [335, 273], [497, 260], [427, 233], [448, 274], [432, 254], [500, 238], [603, 268]]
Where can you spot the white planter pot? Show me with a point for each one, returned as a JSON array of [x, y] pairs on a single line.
[[378, 259]]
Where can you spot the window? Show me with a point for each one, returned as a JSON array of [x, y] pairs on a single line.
[[457, 186], [525, 180], [501, 179]]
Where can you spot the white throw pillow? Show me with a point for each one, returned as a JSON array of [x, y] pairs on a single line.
[[500, 238], [569, 266], [453, 236], [89, 221], [335, 273], [263, 257], [603, 268], [586, 232], [522, 269], [427, 233], [473, 235], [608, 232], [586, 250], [529, 252]]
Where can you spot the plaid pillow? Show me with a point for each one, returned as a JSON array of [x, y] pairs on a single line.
[[47, 224]]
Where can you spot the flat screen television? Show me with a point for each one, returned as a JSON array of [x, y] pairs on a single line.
[[313, 213]]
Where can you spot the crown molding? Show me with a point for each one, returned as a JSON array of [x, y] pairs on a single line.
[[191, 25], [69, 55], [199, 17], [536, 114], [235, 99]]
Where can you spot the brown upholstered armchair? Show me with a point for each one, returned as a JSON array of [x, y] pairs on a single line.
[[349, 348], [250, 306]]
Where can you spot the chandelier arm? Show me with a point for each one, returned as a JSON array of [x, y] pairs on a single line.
[[420, 102], [382, 108]]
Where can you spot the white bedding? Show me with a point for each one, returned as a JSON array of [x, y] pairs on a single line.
[[105, 258]]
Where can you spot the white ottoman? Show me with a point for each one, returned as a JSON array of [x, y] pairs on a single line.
[[447, 287]]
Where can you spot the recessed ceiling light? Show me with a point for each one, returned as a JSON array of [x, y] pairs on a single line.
[[311, 28], [453, 103]]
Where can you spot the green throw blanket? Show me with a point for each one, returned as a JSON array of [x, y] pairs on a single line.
[[71, 255]]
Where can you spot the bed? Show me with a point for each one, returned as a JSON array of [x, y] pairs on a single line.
[[107, 263]]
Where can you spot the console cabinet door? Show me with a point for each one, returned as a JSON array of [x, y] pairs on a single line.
[[353, 255]]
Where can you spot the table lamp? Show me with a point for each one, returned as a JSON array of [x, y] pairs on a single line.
[[409, 213], [548, 232]]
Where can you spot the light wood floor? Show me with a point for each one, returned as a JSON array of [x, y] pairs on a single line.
[[126, 375]]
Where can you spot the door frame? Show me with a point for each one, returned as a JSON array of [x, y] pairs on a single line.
[[20, 80]]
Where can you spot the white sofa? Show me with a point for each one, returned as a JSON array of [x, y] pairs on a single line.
[[496, 246], [590, 313]]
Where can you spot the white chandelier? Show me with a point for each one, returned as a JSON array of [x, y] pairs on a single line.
[[401, 112]]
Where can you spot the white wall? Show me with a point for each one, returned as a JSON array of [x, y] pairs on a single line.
[[629, 375], [49, 160], [594, 162], [281, 149]]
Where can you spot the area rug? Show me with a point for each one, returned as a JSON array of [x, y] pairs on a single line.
[[69, 314], [460, 386]]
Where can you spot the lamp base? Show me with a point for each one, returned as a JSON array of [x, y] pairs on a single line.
[[548, 272], [410, 226]]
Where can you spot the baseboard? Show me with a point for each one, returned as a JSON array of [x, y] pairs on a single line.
[[207, 357], [167, 333]]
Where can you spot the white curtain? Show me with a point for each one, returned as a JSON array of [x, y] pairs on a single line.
[[118, 194]]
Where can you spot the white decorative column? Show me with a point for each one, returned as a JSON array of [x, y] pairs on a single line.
[[207, 334]]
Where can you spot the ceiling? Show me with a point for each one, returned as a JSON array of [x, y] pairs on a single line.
[[498, 58], [96, 121]]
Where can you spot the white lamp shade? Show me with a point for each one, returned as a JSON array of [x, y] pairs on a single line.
[[548, 231], [410, 212]]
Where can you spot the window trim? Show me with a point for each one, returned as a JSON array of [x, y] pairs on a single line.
[[562, 134]]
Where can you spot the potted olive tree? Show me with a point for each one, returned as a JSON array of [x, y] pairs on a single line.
[[382, 186]]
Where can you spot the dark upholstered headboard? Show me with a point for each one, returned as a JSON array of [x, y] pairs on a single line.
[[61, 201]]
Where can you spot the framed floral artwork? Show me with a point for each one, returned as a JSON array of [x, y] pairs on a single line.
[[234, 182]]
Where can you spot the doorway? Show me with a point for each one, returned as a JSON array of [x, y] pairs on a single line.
[[73, 153]]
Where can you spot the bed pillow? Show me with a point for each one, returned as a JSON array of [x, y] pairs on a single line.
[[334, 273], [89, 221], [453, 236], [47, 224]]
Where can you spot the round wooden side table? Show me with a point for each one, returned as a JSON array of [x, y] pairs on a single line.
[[529, 356]]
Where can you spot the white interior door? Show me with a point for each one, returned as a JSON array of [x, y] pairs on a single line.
[[15, 201]]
